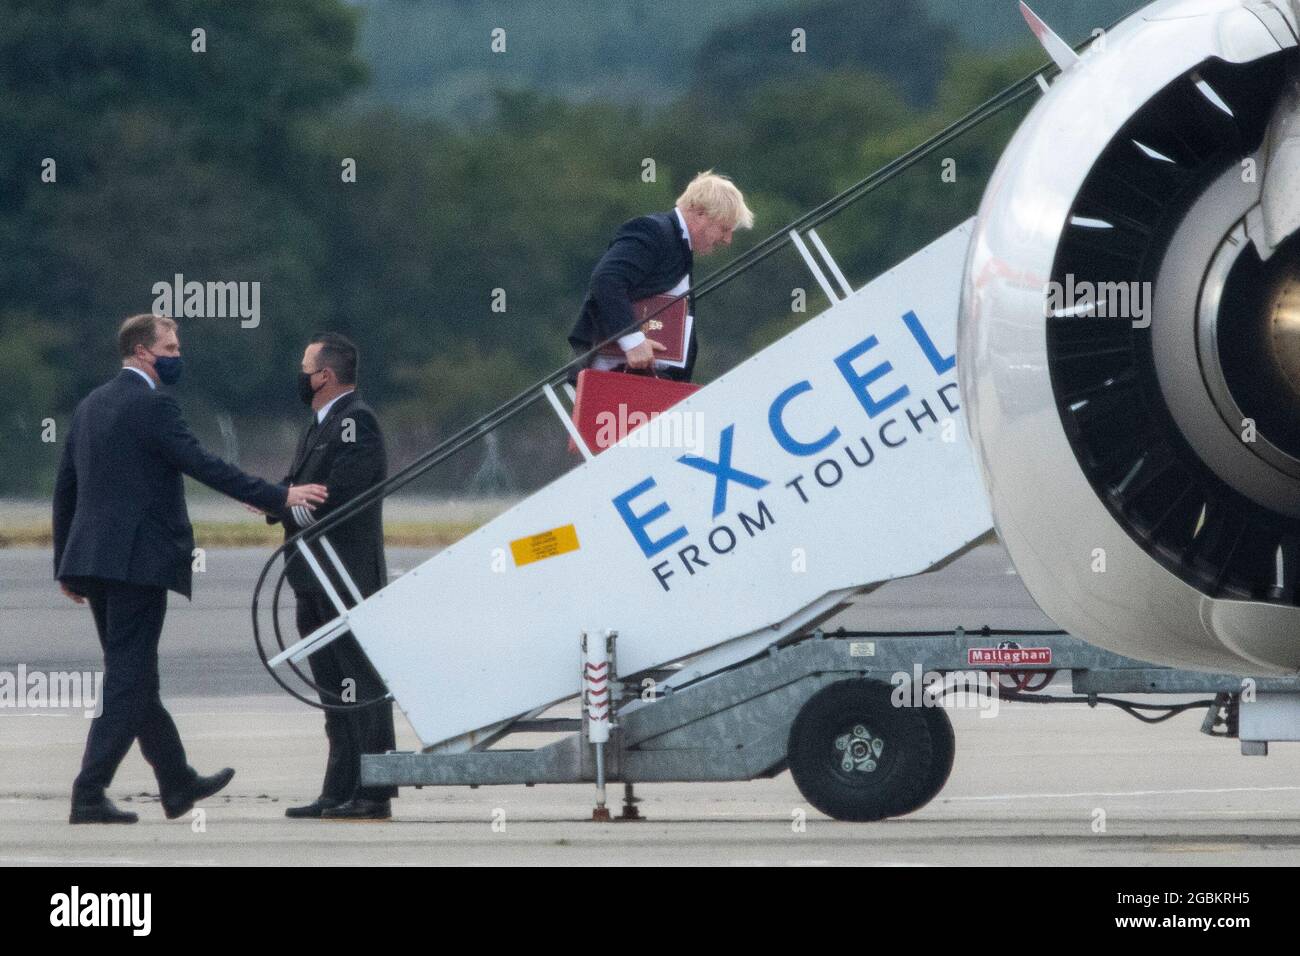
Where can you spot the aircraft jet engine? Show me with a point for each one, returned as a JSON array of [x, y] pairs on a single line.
[[1130, 338]]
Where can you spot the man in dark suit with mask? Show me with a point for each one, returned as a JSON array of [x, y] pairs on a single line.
[[122, 539], [342, 448], [654, 255]]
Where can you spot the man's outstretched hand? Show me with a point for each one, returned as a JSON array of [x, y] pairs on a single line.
[[309, 495], [73, 595]]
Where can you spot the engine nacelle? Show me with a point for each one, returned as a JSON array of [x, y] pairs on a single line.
[[1130, 339]]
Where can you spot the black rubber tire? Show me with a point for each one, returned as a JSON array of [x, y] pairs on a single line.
[[913, 764], [943, 740]]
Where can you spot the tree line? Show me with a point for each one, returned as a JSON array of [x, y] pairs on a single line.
[[456, 255]]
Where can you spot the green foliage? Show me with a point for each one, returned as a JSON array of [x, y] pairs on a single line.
[[895, 38], [460, 255], [433, 58], [36, 381], [168, 161]]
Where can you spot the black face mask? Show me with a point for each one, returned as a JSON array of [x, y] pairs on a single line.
[[305, 392], [168, 368]]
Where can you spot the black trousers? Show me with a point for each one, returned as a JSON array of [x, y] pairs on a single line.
[[129, 620], [342, 668]]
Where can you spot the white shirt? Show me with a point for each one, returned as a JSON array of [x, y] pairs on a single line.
[[685, 232], [325, 409], [141, 374], [630, 341], [302, 516]]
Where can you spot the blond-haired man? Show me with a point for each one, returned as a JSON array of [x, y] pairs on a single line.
[[653, 255]]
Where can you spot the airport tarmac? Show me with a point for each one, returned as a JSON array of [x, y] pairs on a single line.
[[1060, 785]]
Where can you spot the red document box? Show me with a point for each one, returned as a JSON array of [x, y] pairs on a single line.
[[663, 318], [607, 405]]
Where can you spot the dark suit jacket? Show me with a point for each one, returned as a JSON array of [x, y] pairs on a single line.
[[648, 255], [119, 501], [346, 468]]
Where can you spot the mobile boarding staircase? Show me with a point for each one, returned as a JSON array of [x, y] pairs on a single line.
[[679, 591]]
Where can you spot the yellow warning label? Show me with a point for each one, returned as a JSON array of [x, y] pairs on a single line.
[[548, 544]]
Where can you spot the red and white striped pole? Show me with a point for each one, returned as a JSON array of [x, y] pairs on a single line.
[[596, 703]]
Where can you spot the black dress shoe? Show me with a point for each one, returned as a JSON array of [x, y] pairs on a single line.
[[102, 812], [200, 789], [360, 809], [313, 810]]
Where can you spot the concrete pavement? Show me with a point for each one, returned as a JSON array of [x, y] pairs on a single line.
[[1035, 785]]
